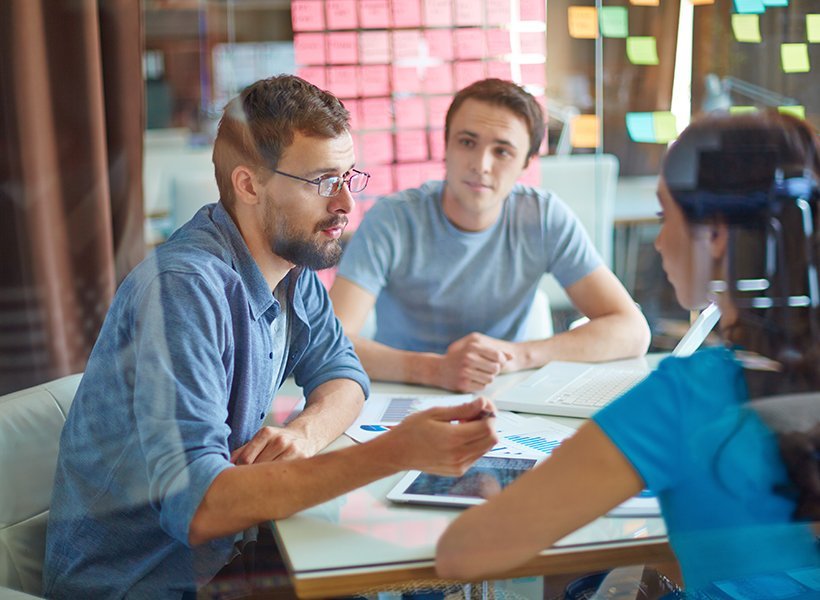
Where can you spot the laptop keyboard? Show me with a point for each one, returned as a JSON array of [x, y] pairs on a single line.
[[598, 390]]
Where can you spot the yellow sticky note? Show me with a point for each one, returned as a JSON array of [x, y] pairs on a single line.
[[746, 28], [645, 2], [796, 111], [741, 110], [795, 58], [642, 50], [813, 28], [666, 127], [583, 22], [584, 131]]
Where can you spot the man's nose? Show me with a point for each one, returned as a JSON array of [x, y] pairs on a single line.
[[343, 202]]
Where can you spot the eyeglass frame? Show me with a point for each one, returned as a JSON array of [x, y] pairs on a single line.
[[319, 180]]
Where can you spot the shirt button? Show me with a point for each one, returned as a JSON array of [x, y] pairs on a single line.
[[270, 356], [262, 416]]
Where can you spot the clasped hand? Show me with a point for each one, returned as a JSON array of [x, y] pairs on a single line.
[[473, 362], [273, 443]]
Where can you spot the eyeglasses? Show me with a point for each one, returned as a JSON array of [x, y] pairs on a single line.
[[331, 185]]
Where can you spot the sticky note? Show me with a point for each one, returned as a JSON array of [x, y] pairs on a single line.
[[469, 43], [435, 141], [352, 107], [796, 111], [746, 28], [532, 10], [741, 110], [776, 3], [410, 112], [795, 58], [342, 14], [309, 48], [468, 12], [437, 109], [411, 145], [614, 21], [343, 81], [376, 113], [406, 45], [746, 7], [533, 42], [531, 175], [583, 22], [498, 42], [438, 79], [381, 181], [307, 15], [645, 2], [406, 13], [641, 127], [701, 2], [375, 80], [374, 47], [584, 131], [642, 50], [499, 69], [813, 28], [438, 13], [666, 128], [439, 43], [342, 48], [534, 74], [376, 148], [406, 80], [498, 12], [374, 14], [315, 75], [468, 72]]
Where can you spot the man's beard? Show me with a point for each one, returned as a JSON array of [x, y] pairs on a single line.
[[306, 252]]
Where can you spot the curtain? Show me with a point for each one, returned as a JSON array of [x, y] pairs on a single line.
[[71, 127]]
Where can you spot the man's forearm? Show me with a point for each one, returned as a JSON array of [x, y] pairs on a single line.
[[384, 363], [329, 410]]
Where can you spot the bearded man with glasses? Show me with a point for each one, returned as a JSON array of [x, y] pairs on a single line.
[[165, 464]]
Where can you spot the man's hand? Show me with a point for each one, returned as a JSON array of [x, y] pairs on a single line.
[[472, 362], [443, 440], [273, 443]]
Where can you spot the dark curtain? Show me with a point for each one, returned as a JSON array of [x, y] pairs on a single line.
[[71, 127]]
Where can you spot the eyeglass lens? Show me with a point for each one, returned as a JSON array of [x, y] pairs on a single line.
[[333, 185]]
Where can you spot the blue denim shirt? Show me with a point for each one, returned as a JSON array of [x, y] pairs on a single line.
[[179, 377]]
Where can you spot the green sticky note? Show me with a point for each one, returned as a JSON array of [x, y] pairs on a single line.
[[746, 7], [614, 21], [642, 50], [741, 110], [796, 111], [746, 28], [641, 127], [666, 127], [795, 58], [813, 28]]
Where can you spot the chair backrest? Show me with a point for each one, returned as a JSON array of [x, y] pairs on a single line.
[[30, 424], [587, 183]]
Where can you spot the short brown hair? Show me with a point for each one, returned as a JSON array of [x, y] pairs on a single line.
[[509, 95], [258, 125]]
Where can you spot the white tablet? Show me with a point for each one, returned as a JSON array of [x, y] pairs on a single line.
[[488, 476]]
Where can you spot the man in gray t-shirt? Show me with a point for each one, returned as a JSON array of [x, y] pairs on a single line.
[[452, 267]]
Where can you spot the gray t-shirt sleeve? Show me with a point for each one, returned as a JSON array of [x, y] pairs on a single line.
[[570, 253]]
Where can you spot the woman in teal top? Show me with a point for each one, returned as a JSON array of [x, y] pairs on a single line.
[[739, 199]]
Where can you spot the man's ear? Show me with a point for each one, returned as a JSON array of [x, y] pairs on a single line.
[[718, 239], [244, 185]]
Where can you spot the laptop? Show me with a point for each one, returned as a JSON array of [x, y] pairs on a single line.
[[576, 389]]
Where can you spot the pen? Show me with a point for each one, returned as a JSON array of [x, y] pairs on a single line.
[[486, 414]]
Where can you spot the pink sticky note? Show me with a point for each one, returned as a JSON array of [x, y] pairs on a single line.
[[498, 12], [308, 15], [435, 140], [377, 113], [532, 10], [534, 74], [440, 43], [375, 80], [407, 45], [469, 43], [499, 69], [354, 108], [374, 14], [315, 75], [342, 48], [342, 14], [374, 47], [410, 175], [410, 112], [469, 12], [438, 13], [376, 148], [411, 145], [498, 42], [406, 13], [531, 175], [309, 48], [406, 80], [439, 79], [343, 81], [381, 181], [434, 170], [468, 72], [437, 109], [533, 42]]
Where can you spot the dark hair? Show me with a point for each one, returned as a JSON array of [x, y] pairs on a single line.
[[509, 95], [759, 174], [259, 124]]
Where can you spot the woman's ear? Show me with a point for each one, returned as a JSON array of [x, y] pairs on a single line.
[[244, 185], [718, 239]]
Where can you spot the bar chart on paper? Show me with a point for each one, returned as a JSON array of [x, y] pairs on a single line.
[[535, 442]]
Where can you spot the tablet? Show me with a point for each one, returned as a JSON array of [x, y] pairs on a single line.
[[488, 476]]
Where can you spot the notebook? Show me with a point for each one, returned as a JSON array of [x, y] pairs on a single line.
[[575, 389]]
